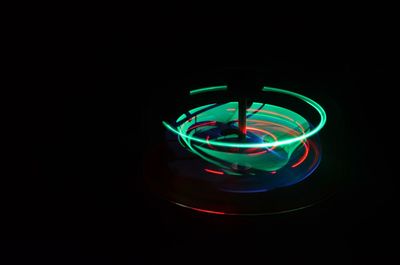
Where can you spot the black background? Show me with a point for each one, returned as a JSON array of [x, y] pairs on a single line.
[[95, 114]]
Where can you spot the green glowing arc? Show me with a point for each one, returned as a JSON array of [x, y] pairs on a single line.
[[207, 89], [309, 101]]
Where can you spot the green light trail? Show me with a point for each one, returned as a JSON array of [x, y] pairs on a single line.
[[315, 105], [207, 89]]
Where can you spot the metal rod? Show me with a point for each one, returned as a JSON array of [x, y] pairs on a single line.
[[242, 117]]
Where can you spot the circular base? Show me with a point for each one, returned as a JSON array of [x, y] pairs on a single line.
[[183, 179]]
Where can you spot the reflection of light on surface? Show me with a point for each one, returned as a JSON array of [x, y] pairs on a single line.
[[200, 210], [214, 171]]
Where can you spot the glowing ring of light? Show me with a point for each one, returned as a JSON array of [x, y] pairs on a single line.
[[309, 101]]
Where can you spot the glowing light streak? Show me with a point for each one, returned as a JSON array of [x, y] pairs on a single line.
[[257, 153], [214, 171], [207, 89], [304, 156], [301, 137], [211, 123], [200, 210]]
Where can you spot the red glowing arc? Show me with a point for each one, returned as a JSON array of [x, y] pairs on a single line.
[[214, 171], [201, 210], [207, 211]]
